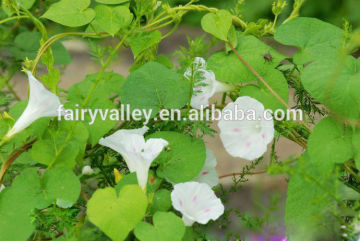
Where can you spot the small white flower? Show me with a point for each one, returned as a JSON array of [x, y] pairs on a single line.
[[137, 153], [42, 103], [246, 137], [205, 85], [208, 173], [87, 170], [197, 202], [2, 187]]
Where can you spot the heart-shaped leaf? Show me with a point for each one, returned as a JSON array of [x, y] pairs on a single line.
[[116, 215], [29, 191], [153, 86], [217, 24], [144, 40], [336, 149], [311, 36], [167, 227], [161, 201], [70, 13], [112, 19], [61, 185], [337, 88], [185, 158]]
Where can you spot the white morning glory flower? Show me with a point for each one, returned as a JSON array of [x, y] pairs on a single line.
[[2, 187], [197, 202], [208, 173], [87, 170], [205, 85], [137, 153], [248, 136], [42, 103]]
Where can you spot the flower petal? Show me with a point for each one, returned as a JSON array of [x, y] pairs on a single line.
[[208, 174], [246, 138], [153, 147], [137, 153], [197, 202], [123, 140], [42, 103]]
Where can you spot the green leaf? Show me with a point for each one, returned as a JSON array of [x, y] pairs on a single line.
[[314, 38], [189, 234], [153, 86], [334, 82], [116, 215], [112, 19], [70, 13], [109, 84], [61, 185], [308, 214], [29, 191], [329, 143], [27, 4], [184, 159], [167, 227], [143, 40], [46, 150], [228, 68], [112, 1], [129, 179], [260, 92], [217, 24], [27, 44], [16, 203], [161, 201], [233, 39]]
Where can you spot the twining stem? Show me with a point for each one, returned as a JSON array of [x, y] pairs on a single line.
[[15, 154], [242, 173], [52, 40], [201, 8]]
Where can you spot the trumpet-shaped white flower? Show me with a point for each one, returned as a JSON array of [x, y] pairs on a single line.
[[197, 202], [205, 83], [87, 170], [137, 153], [2, 187], [248, 136], [42, 103], [208, 173]]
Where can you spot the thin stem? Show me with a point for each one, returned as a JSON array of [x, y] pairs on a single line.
[[258, 76], [160, 26], [242, 173], [52, 40], [349, 169], [171, 31], [15, 154], [156, 22], [12, 91], [13, 18]]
